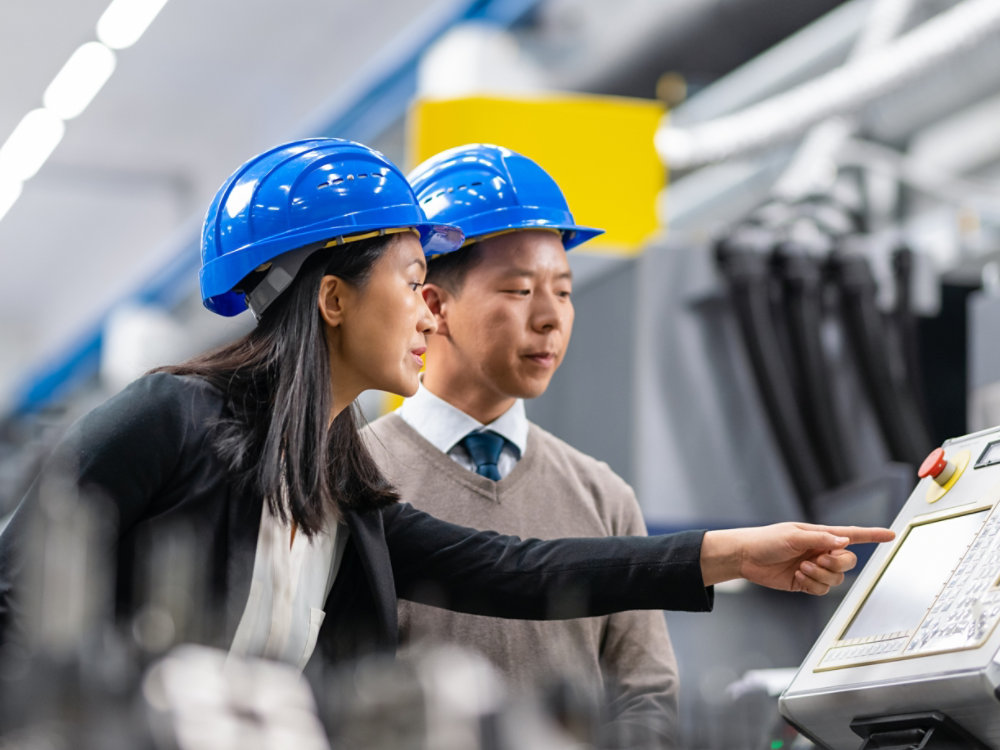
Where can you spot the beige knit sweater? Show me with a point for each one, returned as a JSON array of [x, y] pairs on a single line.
[[553, 491]]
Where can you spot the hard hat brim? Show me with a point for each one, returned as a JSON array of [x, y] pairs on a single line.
[[219, 276], [528, 217]]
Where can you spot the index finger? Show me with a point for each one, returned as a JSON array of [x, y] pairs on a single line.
[[863, 534]]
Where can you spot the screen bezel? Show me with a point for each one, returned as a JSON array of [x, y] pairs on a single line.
[[922, 520]]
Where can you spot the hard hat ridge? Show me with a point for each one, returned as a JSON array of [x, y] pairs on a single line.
[[487, 189]]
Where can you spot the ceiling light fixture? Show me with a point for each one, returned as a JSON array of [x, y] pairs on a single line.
[[34, 138], [124, 21], [10, 191], [71, 91], [83, 75]]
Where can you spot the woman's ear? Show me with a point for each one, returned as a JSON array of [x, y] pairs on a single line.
[[437, 298], [331, 300]]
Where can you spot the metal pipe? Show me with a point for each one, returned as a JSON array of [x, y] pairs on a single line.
[[814, 168], [816, 49], [839, 92]]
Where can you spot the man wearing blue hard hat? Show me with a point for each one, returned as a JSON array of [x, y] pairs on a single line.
[[463, 449]]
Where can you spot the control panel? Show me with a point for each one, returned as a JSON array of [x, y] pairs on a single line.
[[917, 632]]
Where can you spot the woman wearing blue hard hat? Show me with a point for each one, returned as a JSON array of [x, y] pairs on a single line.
[[255, 444]]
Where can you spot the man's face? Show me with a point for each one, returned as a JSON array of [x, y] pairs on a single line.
[[511, 320]]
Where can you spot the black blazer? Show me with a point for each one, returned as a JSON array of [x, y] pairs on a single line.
[[147, 451]]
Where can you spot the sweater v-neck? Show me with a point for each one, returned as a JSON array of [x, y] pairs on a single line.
[[488, 488]]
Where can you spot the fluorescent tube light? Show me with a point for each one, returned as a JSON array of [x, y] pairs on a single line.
[[10, 191], [31, 143], [124, 21], [83, 75]]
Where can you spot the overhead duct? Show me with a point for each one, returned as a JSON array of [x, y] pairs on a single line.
[[842, 91]]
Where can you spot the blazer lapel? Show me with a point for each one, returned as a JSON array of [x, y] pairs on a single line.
[[368, 534], [244, 528]]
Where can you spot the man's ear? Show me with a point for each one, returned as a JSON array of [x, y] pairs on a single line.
[[437, 299], [332, 291]]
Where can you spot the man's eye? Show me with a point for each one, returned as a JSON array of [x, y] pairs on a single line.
[[522, 292], [415, 285]]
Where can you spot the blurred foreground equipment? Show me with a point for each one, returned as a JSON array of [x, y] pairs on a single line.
[[73, 677]]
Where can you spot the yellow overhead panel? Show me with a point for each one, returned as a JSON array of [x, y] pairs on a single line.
[[598, 148]]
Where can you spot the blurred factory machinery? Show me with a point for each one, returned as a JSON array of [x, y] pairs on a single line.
[[74, 678], [815, 314]]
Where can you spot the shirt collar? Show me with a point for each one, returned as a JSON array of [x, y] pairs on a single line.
[[444, 425]]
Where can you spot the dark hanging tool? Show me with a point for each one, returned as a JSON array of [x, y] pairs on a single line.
[[744, 258], [800, 262], [877, 353], [905, 320]]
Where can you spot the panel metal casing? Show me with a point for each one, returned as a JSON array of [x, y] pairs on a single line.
[[959, 680]]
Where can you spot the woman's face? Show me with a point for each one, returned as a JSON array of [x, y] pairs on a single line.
[[381, 335]]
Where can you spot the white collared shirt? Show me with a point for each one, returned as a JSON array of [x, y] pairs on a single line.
[[444, 426], [288, 591]]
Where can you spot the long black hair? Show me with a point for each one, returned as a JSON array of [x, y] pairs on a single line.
[[276, 436]]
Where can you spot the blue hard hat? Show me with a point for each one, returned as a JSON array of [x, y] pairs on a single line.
[[304, 195], [486, 189]]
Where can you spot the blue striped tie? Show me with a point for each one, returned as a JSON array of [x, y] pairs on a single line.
[[484, 449]]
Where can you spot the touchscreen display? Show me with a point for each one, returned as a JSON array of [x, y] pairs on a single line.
[[915, 576]]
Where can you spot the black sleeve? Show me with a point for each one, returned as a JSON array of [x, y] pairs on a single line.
[[121, 454], [485, 573]]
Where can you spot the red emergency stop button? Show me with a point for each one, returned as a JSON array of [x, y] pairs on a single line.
[[933, 465], [937, 467]]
